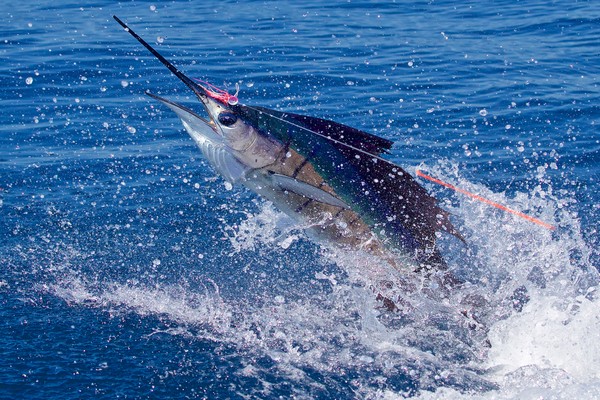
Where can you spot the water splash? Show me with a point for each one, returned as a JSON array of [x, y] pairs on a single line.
[[520, 280]]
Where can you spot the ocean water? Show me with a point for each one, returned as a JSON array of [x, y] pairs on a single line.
[[128, 269]]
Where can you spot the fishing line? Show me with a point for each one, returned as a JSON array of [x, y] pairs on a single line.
[[486, 201]]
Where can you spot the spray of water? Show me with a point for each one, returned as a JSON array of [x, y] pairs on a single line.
[[525, 321]]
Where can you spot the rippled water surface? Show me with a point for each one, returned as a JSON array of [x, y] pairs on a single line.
[[128, 269]]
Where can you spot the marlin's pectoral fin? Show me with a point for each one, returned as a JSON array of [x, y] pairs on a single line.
[[308, 191]]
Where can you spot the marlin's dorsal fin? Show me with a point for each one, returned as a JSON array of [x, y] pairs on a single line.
[[345, 134], [308, 191], [334, 131]]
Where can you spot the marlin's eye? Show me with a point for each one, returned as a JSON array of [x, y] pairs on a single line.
[[227, 118]]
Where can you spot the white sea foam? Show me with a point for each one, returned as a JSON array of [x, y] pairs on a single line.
[[551, 333], [550, 349]]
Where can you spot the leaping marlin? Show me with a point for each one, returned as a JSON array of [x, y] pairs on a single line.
[[329, 176]]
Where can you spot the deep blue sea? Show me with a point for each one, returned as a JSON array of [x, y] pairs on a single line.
[[129, 269]]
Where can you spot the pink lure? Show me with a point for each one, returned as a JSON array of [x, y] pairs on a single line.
[[218, 93]]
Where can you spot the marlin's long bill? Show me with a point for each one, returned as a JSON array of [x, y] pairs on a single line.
[[198, 90], [327, 174]]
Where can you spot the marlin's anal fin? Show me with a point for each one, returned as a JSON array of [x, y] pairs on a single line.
[[308, 191]]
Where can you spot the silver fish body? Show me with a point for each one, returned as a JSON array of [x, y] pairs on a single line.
[[281, 176]]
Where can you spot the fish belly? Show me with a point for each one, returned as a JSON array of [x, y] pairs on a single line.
[[341, 226]]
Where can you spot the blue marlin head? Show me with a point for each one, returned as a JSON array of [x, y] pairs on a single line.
[[327, 174]]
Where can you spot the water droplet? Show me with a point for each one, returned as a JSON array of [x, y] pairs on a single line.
[[483, 112], [153, 8], [29, 80], [124, 83], [228, 186], [160, 39], [131, 129]]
